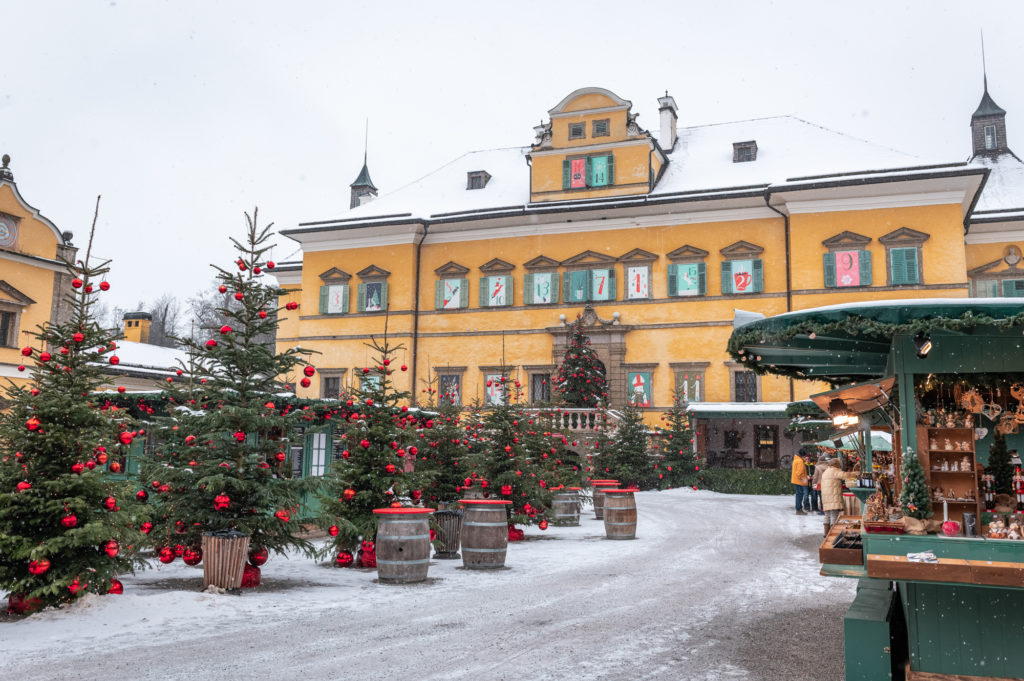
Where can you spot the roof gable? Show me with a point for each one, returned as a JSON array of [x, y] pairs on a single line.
[[847, 239], [496, 266], [451, 269], [541, 262], [904, 235], [638, 255], [589, 258], [687, 253], [335, 276], [741, 249], [372, 272], [10, 294]]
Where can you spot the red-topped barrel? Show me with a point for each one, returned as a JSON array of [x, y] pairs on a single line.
[[484, 533], [565, 507], [403, 544], [597, 486], [620, 513]]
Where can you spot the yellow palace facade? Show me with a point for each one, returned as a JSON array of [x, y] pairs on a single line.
[[660, 238]]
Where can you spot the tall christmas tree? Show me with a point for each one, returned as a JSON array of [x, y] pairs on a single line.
[[627, 460], [678, 465], [445, 449], [1000, 466], [377, 468], [580, 380], [65, 527], [224, 460], [915, 498]]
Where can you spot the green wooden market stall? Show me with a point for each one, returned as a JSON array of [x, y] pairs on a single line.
[[944, 374]]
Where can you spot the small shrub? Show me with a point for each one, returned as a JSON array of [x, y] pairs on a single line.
[[746, 481]]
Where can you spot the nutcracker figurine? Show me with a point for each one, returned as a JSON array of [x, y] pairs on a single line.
[[1018, 488], [990, 497]]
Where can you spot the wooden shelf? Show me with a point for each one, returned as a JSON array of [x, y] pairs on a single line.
[[958, 481]]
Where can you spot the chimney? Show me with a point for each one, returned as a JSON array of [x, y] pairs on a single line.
[[136, 326], [669, 117]]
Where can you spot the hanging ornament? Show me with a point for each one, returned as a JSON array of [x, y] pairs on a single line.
[[38, 567], [258, 556], [333, 531], [344, 559], [116, 587], [110, 503], [112, 548], [166, 555], [69, 521], [76, 587], [146, 527], [283, 515], [221, 502], [192, 556]]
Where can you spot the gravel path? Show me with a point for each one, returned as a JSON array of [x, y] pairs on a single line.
[[715, 587]]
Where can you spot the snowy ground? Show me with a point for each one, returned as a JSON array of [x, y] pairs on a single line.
[[715, 587]]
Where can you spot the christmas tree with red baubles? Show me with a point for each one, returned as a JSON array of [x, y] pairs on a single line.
[[223, 461], [678, 465], [552, 450], [915, 499], [445, 449], [627, 459], [377, 466], [66, 528], [580, 381]]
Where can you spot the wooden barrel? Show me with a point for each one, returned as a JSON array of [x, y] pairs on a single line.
[[565, 507], [225, 554], [484, 533], [620, 513], [597, 486], [403, 544]]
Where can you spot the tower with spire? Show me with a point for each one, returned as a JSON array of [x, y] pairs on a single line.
[[988, 127], [363, 189]]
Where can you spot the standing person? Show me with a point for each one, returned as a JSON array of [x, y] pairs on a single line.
[[832, 491], [815, 485], [799, 480]]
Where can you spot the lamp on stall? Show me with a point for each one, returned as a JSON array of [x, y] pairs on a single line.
[[841, 415], [923, 344]]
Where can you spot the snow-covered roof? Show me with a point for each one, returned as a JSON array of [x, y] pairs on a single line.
[[702, 160], [698, 408], [1005, 187], [148, 358]]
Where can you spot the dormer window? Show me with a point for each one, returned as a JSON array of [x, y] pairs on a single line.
[[990, 137], [600, 128], [577, 131], [742, 152], [477, 179]]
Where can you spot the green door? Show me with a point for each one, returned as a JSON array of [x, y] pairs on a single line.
[[316, 463]]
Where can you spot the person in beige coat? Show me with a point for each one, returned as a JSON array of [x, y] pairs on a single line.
[[832, 491]]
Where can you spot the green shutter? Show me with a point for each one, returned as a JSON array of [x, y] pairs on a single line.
[[912, 265], [384, 295], [324, 291], [898, 266], [578, 279], [611, 169], [528, 289], [590, 173], [483, 292], [510, 291], [702, 274], [1013, 288], [135, 452], [726, 277], [464, 293], [613, 291], [673, 280], [758, 276], [828, 261], [566, 288], [438, 294], [361, 298], [555, 283], [344, 299], [566, 173], [864, 262]]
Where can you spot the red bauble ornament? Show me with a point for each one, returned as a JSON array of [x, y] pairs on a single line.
[[221, 502], [363, 443], [345, 454], [262, 314], [192, 556], [283, 515], [211, 343], [146, 527], [543, 524], [18, 604], [166, 555], [78, 337], [225, 330], [114, 359], [222, 288], [38, 567], [76, 282], [27, 351], [270, 264], [309, 371], [23, 486], [110, 503], [250, 577], [280, 456], [291, 306], [112, 548], [239, 436], [104, 285], [349, 494], [390, 468], [116, 587], [256, 270], [44, 357], [76, 586], [239, 296], [120, 388], [304, 383], [126, 438], [258, 556], [102, 457], [333, 530], [344, 559]]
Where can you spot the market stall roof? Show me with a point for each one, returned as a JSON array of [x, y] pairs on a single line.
[[859, 398], [851, 341], [737, 410], [880, 442]]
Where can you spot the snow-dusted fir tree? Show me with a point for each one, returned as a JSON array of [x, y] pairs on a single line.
[[580, 380], [678, 465], [627, 460], [66, 528], [226, 466]]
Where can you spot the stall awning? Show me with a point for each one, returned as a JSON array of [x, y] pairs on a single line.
[[737, 410], [859, 398]]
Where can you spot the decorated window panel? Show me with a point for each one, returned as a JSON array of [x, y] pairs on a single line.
[[451, 294], [904, 265], [449, 388], [687, 279], [541, 288], [639, 384], [334, 299], [372, 297], [602, 284], [847, 268], [690, 386], [638, 282], [540, 387], [602, 170], [576, 286], [494, 390], [742, 276], [574, 173], [496, 291]]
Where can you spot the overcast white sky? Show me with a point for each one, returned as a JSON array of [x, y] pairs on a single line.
[[185, 114]]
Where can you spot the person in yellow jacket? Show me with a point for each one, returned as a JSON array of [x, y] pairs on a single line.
[[832, 491], [799, 480]]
